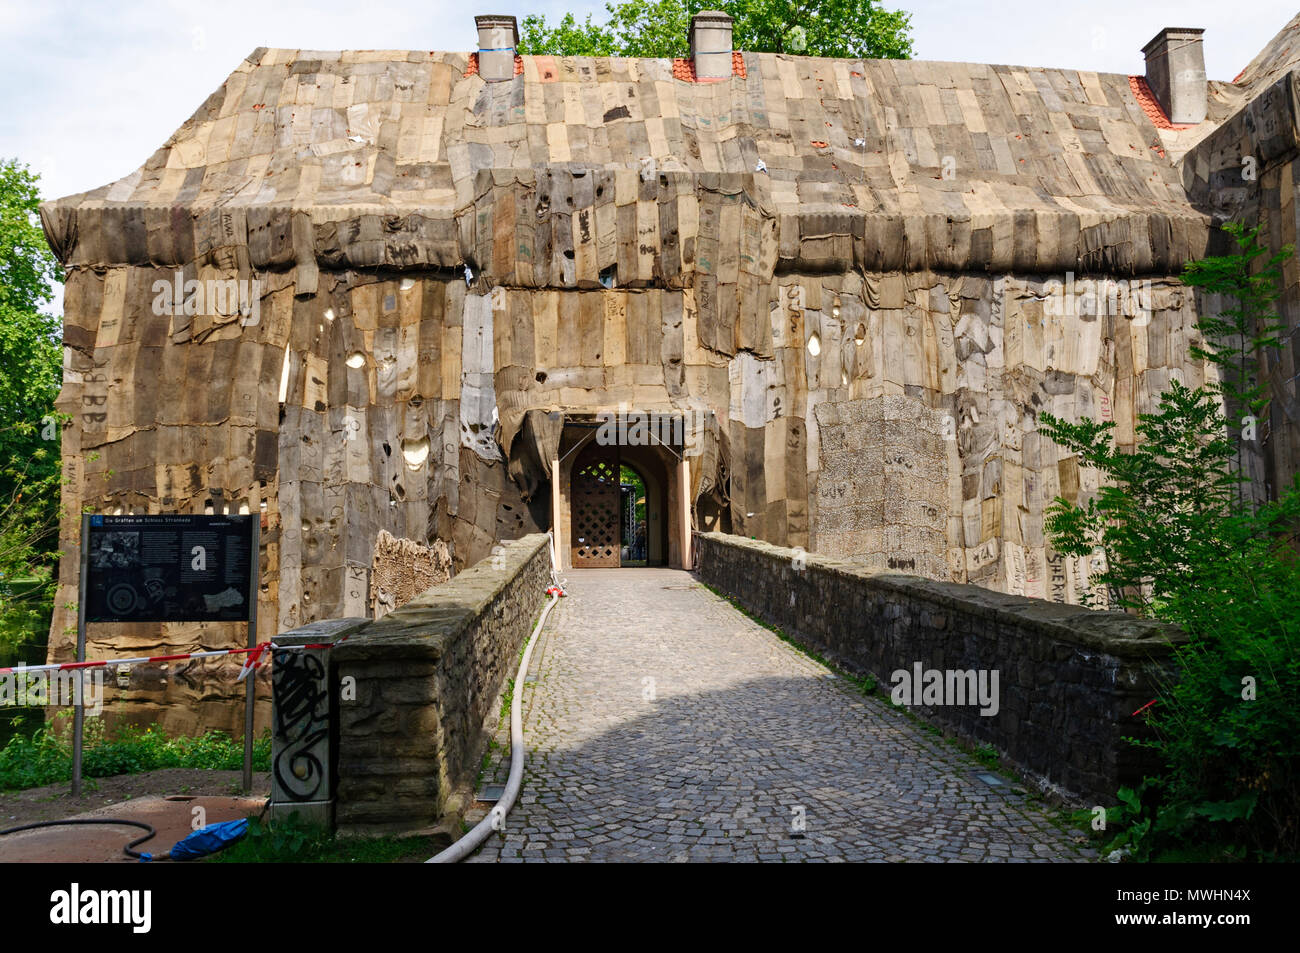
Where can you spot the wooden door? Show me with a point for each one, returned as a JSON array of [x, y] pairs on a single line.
[[594, 498]]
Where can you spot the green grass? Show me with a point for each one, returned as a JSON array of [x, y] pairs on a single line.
[[294, 842], [507, 699], [46, 756], [492, 747]]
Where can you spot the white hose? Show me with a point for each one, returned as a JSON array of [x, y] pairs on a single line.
[[495, 819]]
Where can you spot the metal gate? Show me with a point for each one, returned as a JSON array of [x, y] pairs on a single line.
[[595, 500]]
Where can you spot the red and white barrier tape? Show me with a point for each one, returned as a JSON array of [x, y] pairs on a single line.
[[250, 663]]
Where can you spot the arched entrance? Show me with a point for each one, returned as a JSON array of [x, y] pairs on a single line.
[[618, 507]]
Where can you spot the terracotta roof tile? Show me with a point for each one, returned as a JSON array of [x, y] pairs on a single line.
[[1150, 105], [471, 68], [684, 69]]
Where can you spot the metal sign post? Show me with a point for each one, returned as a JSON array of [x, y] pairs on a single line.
[[250, 688], [79, 711]]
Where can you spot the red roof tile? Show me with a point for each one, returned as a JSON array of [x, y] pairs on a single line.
[[684, 69], [471, 69], [1150, 105]]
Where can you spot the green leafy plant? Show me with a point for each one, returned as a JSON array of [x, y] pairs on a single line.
[[659, 28], [988, 756], [1245, 326], [1174, 534], [291, 838], [45, 757], [31, 365]]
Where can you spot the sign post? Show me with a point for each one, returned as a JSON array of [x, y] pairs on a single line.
[[250, 686], [79, 710], [168, 568]]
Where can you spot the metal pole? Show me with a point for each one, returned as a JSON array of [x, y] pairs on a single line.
[[250, 683], [79, 711], [556, 511], [684, 480]]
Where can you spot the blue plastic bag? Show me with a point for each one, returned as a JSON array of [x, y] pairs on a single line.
[[210, 839]]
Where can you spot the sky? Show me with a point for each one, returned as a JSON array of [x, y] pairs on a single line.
[[91, 90]]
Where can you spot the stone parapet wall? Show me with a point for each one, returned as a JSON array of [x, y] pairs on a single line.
[[427, 678], [1069, 678]]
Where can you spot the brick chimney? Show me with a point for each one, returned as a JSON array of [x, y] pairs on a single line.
[[1176, 73], [497, 38], [711, 44]]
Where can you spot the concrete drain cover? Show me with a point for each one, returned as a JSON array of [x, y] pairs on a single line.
[[491, 793], [992, 780]]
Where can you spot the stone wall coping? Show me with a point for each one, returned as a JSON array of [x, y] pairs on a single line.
[[1116, 633], [423, 627], [327, 630]]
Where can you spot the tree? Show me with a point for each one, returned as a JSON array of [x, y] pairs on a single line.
[[31, 362], [1166, 506], [1237, 335], [659, 28], [1159, 511], [1181, 542]]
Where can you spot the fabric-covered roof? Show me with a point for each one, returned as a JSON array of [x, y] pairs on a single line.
[[1280, 56], [365, 159], [1262, 130]]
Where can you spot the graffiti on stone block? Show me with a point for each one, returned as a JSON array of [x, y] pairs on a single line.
[[301, 724]]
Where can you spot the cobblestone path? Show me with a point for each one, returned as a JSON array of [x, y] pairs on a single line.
[[662, 724]]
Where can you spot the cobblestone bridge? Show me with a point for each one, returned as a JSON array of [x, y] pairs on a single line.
[[663, 724]]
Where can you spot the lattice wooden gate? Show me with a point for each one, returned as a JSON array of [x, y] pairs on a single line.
[[595, 500]]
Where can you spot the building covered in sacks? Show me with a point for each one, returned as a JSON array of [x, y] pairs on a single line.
[[821, 302]]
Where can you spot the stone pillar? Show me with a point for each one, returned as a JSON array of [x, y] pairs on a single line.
[[304, 721]]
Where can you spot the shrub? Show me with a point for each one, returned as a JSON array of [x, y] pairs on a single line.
[[1178, 535]]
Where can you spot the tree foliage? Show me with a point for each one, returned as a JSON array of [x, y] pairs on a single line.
[[1177, 539], [1246, 325], [1163, 506], [659, 28], [1242, 328], [31, 361]]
